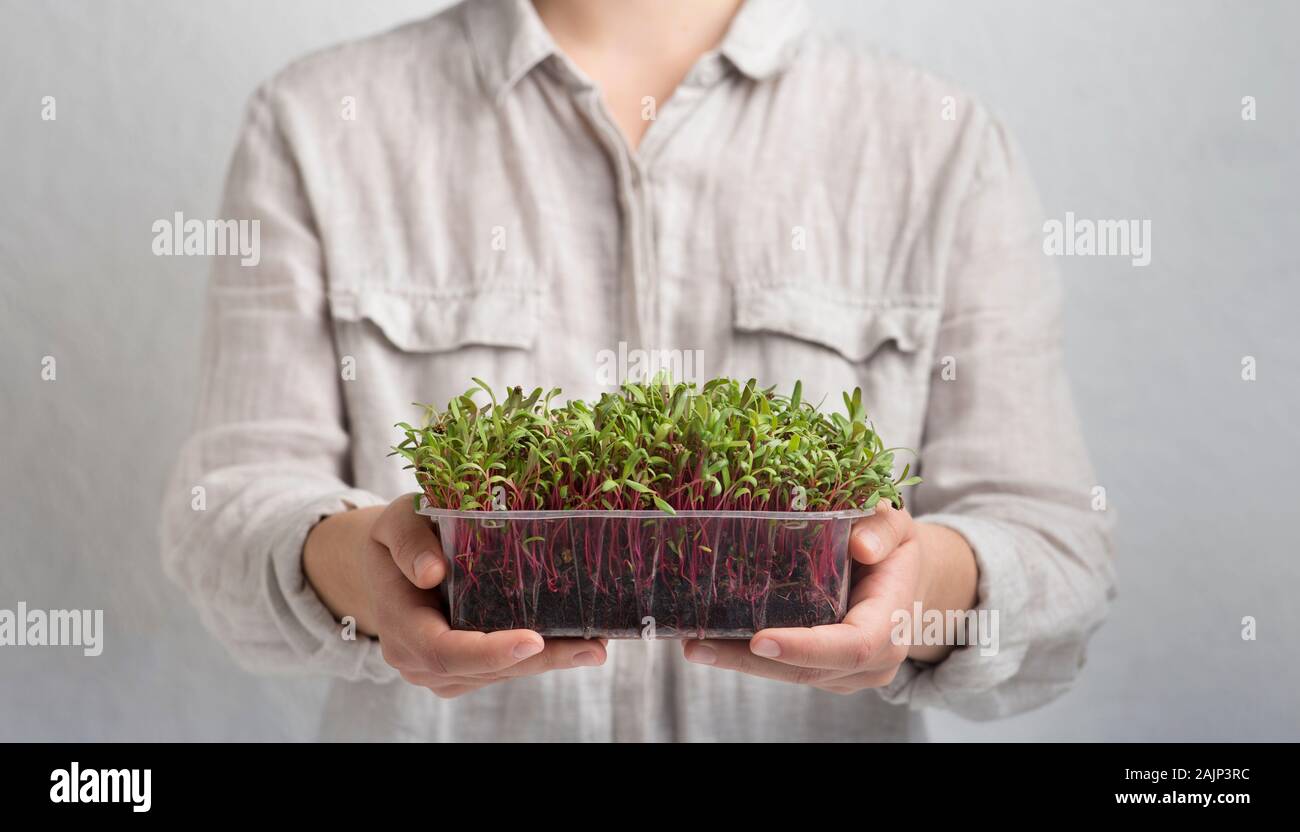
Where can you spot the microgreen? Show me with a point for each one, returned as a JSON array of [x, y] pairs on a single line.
[[725, 445]]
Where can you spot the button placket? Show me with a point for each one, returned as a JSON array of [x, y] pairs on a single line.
[[632, 199], [631, 695]]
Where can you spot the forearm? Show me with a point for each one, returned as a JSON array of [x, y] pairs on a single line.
[[949, 580], [331, 560]]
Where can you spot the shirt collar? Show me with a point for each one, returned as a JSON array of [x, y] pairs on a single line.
[[510, 40], [764, 36]]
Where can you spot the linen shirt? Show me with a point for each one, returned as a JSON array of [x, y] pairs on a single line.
[[452, 199]]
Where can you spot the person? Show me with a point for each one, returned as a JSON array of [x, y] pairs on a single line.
[[508, 188]]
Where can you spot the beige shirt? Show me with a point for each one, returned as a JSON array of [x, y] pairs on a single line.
[[797, 210]]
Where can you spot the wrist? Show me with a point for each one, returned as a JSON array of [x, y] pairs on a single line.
[[947, 580], [948, 576], [929, 565], [331, 562]]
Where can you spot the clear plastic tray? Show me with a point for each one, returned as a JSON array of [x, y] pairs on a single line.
[[645, 574]]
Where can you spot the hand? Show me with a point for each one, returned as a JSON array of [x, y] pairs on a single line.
[[401, 563], [891, 573]]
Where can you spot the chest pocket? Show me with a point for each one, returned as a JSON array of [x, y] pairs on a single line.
[[783, 333], [409, 346], [423, 321]]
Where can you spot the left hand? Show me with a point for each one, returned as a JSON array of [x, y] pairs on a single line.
[[859, 653]]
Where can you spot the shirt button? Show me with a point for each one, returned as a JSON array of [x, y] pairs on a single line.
[[709, 73]]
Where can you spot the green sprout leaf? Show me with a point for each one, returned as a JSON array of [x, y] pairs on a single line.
[[727, 445]]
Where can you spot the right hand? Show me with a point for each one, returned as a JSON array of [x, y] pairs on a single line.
[[401, 564]]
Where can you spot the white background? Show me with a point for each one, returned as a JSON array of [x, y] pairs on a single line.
[[1126, 110]]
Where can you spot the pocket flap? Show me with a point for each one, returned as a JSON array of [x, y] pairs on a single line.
[[850, 326], [422, 322]]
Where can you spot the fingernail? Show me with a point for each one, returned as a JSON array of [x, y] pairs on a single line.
[[585, 659], [870, 540], [524, 649], [423, 561], [766, 648], [702, 654]]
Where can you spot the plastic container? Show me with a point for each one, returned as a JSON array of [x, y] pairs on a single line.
[[645, 574]]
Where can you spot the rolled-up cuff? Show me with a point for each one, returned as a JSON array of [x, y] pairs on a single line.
[[968, 681], [311, 630]]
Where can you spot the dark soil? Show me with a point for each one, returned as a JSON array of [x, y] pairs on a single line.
[[610, 577]]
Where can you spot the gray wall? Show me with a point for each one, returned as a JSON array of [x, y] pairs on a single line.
[[1126, 110]]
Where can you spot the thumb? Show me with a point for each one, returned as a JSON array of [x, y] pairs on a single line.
[[410, 539]]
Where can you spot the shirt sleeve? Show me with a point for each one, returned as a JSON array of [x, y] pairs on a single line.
[[1003, 459], [268, 457]]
